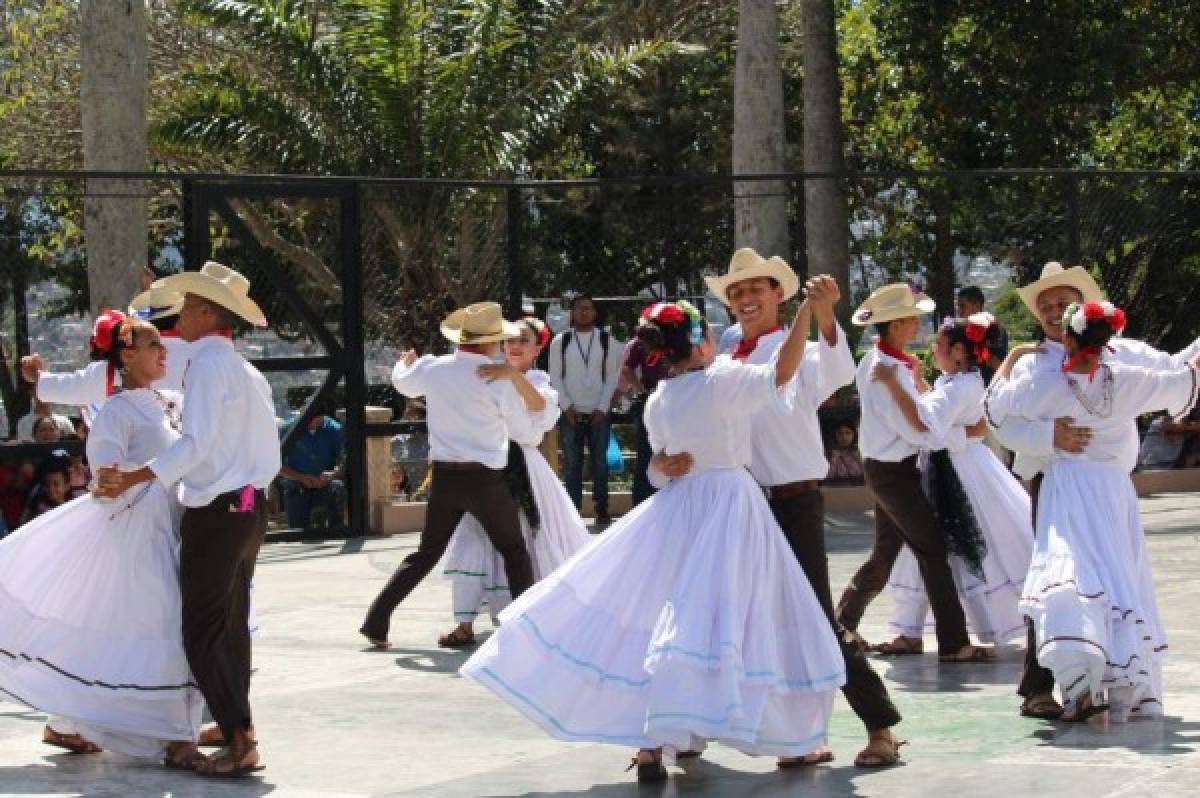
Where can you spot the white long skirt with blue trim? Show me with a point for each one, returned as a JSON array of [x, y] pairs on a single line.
[[1090, 592], [90, 625], [690, 620], [1002, 509], [476, 569]]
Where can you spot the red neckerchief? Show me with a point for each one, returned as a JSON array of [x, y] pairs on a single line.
[[891, 351], [1093, 351], [748, 345], [173, 333]]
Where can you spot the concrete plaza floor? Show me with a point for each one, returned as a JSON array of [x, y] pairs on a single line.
[[336, 720]]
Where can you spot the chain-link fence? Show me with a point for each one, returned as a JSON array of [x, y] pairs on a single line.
[[409, 250]]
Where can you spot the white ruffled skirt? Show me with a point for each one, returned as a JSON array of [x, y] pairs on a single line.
[[476, 569], [90, 626], [689, 620], [1090, 592], [1002, 507]]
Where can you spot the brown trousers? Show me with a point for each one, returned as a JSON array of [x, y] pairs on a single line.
[[1034, 678], [903, 515], [455, 490], [216, 563], [802, 519]]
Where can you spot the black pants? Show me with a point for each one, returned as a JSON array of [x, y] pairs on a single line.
[[455, 490], [216, 563], [642, 489], [1034, 678], [802, 519], [903, 515]]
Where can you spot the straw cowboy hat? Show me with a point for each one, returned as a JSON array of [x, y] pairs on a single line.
[[218, 284], [891, 302], [480, 323], [746, 264], [1054, 275], [156, 303]]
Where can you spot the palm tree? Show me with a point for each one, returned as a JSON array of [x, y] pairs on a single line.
[[405, 88]]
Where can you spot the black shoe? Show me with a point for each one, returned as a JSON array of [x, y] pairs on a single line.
[[603, 518]]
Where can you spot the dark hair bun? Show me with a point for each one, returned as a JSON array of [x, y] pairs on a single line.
[[651, 336]]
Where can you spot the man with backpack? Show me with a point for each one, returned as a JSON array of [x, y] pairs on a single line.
[[585, 364]]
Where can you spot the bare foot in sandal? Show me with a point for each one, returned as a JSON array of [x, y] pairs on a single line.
[[900, 647], [239, 759], [883, 750], [211, 736], [183, 755], [74, 743], [969, 653], [819, 757]]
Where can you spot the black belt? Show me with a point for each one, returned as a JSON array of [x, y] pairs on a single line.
[[445, 465], [790, 489]]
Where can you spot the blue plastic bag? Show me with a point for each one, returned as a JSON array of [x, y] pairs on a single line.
[[616, 463]]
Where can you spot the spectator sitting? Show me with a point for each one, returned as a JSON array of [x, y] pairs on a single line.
[[1163, 443], [50, 485], [311, 473], [845, 462], [410, 453], [46, 430], [13, 487], [80, 477], [41, 410]]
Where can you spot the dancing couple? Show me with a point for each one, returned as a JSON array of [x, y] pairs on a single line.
[[691, 620], [123, 612]]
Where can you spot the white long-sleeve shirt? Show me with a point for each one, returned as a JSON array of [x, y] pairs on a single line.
[[1033, 441], [229, 438], [468, 418], [884, 434], [87, 387], [786, 433], [591, 378]]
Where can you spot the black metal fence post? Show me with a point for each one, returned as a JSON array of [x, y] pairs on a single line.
[[516, 289], [355, 366]]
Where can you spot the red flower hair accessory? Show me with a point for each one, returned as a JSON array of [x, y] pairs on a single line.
[[539, 328], [105, 329], [978, 325], [664, 313]]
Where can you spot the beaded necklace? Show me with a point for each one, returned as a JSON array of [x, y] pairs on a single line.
[[1106, 393]]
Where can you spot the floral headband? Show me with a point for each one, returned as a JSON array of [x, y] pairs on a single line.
[[977, 328], [673, 314], [1077, 316], [108, 324]]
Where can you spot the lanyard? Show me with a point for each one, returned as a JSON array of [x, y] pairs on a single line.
[[587, 358]]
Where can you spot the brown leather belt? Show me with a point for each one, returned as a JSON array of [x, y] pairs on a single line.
[[791, 489]]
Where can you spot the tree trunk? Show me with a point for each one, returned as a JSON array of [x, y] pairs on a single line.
[[825, 216], [759, 144], [113, 100], [940, 277]]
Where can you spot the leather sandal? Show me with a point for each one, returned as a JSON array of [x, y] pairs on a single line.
[[377, 643], [883, 753], [809, 760], [74, 743], [457, 639], [974, 654], [1042, 708], [900, 647], [223, 766], [183, 756]]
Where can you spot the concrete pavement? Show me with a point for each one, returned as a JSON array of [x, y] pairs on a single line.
[[336, 720]]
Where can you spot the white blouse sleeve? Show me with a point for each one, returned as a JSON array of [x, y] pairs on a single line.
[[108, 438], [822, 371], [79, 388], [1141, 390], [531, 427], [652, 419]]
